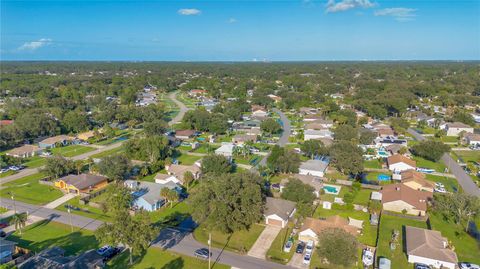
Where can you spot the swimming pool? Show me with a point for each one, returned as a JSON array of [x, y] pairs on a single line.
[[201, 139], [331, 189], [383, 177]]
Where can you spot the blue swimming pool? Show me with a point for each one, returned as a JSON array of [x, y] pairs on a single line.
[[383, 177], [201, 139], [330, 189]]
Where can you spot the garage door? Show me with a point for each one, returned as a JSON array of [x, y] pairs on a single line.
[[274, 222]]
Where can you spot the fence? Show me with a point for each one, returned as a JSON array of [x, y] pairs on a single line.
[[86, 200]]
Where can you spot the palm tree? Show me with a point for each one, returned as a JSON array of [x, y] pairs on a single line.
[[164, 193], [79, 166], [20, 220], [172, 197]]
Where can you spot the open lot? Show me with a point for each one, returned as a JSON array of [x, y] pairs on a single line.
[[72, 150], [468, 155], [108, 153], [35, 162], [423, 163], [28, 190]]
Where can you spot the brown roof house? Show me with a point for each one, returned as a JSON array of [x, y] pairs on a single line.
[[278, 212], [399, 197], [429, 247], [416, 181], [259, 111], [398, 163], [313, 227], [83, 183], [184, 134], [25, 151], [178, 172], [240, 139]]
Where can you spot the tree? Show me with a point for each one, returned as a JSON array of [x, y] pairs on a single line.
[[400, 125], [283, 160], [347, 157], [303, 194], [216, 164], [337, 247], [75, 122], [366, 137], [155, 127], [57, 166], [188, 179], [345, 132], [312, 148], [19, 220], [460, 207], [172, 197], [115, 167], [150, 148], [270, 126], [134, 232], [228, 202], [430, 150]]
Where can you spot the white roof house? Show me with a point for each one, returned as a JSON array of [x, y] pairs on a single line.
[[376, 196], [455, 128], [313, 167], [317, 134], [225, 150]]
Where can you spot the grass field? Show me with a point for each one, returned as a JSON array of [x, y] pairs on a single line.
[[8, 173], [186, 159], [375, 164], [159, 259], [45, 234], [363, 197], [239, 241], [28, 190], [72, 150], [387, 225], [167, 214], [276, 253], [468, 155], [35, 162], [451, 184], [86, 210], [108, 153], [423, 163]]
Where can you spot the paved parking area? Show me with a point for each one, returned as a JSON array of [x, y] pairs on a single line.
[[264, 241]]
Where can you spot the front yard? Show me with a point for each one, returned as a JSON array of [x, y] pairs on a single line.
[[451, 184], [84, 210], [239, 241], [71, 150], [28, 190], [468, 155], [276, 253], [423, 163]]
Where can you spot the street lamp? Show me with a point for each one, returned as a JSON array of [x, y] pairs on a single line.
[[70, 216], [209, 244], [14, 205]]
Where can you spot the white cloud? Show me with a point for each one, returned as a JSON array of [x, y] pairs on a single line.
[[34, 45], [333, 6], [189, 11], [232, 20], [399, 13]]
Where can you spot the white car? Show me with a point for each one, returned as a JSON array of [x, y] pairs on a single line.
[[46, 153], [440, 190], [467, 265], [4, 170], [14, 168], [439, 184], [307, 258], [309, 247]]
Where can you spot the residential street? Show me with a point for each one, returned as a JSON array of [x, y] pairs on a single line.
[[285, 134], [463, 179], [183, 109]]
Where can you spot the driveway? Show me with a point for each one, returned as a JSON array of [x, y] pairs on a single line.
[[264, 241], [297, 261], [60, 201]]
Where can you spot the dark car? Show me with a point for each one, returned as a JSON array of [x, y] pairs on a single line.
[[421, 266], [110, 253], [202, 253], [2, 233], [3, 225], [300, 247]]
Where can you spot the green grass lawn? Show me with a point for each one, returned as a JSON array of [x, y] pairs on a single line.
[[466, 247], [3, 210], [276, 253], [71, 150], [387, 225], [333, 174], [45, 234], [171, 215], [186, 159], [35, 162], [451, 184], [369, 232], [449, 139], [8, 173], [374, 164], [423, 163], [373, 176], [203, 148], [363, 197], [239, 241], [157, 258], [468, 155], [86, 210], [28, 190], [108, 153]]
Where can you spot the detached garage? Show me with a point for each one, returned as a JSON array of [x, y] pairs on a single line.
[[278, 212]]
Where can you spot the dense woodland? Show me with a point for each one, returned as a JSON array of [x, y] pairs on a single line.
[[47, 98]]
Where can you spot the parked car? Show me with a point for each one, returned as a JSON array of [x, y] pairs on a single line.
[[111, 253], [421, 266], [384, 263], [105, 250], [288, 246], [300, 248], [2, 233], [3, 225], [307, 258], [14, 168], [309, 246], [202, 253], [467, 265], [440, 190], [4, 170]]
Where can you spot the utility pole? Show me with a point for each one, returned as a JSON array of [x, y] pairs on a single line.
[[209, 253], [14, 205], [70, 215]]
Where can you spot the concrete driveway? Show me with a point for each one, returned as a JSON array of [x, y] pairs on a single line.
[[297, 260], [264, 241]]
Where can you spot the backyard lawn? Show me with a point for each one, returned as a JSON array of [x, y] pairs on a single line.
[[186, 159], [423, 163], [72, 150], [369, 232], [363, 197], [276, 253], [45, 234], [239, 241], [387, 225], [374, 164], [160, 259], [28, 190]]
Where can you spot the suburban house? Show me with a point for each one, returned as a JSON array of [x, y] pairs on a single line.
[[455, 128], [429, 247], [313, 167], [52, 142], [313, 181], [240, 139], [394, 148], [55, 258], [472, 139], [166, 178], [416, 181], [385, 132], [398, 163], [83, 183], [25, 151], [178, 171], [319, 124], [225, 150], [399, 197], [184, 134], [86, 135], [259, 111], [278, 212], [312, 117], [308, 110], [275, 98], [317, 134], [390, 141], [146, 195], [8, 249], [312, 227], [197, 92]]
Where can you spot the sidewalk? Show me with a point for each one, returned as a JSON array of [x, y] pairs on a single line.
[[60, 201]]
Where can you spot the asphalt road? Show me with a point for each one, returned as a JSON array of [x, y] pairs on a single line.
[[287, 130], [463, 179], [183, 109]]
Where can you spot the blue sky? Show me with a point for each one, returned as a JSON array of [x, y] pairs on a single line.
[[244, 30]]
